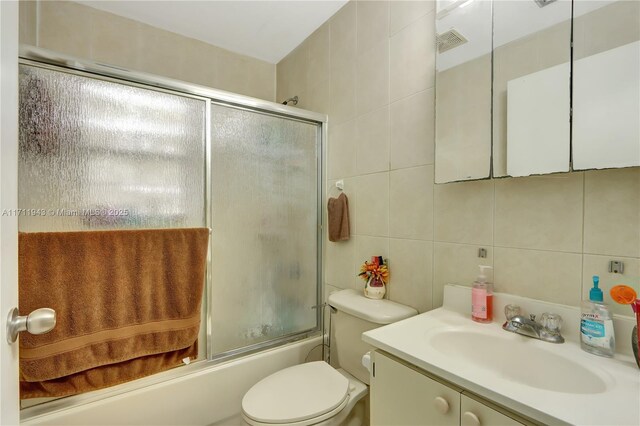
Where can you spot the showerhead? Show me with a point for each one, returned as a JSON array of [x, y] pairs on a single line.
[[292, 101]]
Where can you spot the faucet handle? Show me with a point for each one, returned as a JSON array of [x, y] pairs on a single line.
[[511, 311], [532, 317], [552, 322]]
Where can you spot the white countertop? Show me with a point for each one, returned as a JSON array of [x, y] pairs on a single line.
[[520, 385]]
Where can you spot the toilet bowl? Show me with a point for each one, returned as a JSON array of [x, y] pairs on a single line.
[[307, 394], [316, 393]]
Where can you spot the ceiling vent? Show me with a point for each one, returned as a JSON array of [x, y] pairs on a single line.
[[449, 39]]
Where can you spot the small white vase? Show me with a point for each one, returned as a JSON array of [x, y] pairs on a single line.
[[374, 292]]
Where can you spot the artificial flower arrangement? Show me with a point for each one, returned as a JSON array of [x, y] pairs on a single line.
[[376, 271], [376, 275]]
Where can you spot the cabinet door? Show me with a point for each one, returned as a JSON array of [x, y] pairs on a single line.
[[474, 413], [606, 83], [402, 396]]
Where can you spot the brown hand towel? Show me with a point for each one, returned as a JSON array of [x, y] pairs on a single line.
[[127, 304], [338, 218]]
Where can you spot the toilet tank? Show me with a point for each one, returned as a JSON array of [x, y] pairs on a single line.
[[354, 315]]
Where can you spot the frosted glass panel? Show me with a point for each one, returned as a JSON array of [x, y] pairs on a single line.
[[100, 155], [265, 218]]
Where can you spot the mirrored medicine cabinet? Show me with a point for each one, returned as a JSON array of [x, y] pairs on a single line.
[[529, 87]]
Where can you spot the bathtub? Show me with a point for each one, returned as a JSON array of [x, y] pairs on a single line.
[[207, 395]]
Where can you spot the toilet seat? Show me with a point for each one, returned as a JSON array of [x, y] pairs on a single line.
[[300, 395]]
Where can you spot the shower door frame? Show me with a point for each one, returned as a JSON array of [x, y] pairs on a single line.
[[38, 57]]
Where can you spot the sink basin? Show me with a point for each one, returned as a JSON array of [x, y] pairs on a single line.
[[517, 358]]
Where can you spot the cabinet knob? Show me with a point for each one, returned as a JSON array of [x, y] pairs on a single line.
[[441, 405], [470, 419]]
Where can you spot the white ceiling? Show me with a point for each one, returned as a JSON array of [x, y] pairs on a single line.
[[266, 30]]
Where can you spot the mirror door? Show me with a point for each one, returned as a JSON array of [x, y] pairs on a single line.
[[531, 87], [463, 90], [606, 84]]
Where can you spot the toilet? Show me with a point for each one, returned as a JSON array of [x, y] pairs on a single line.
[[315, 393]]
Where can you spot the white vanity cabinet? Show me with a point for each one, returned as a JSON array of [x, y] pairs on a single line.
[[404, 395]]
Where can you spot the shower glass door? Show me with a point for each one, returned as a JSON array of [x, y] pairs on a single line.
[[265, 218]]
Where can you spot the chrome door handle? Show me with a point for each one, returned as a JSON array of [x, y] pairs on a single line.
[[39, 321]]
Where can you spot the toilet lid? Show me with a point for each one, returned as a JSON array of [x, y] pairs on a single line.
[[296, 393]]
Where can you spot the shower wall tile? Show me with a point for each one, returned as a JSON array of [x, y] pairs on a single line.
[[340, 263], [343, 35], [28, 16], [373, 141], [342, 150], [372, 198], [412, 264], [412, 58], [544, 275], [412, 130], [411, 203], [464, 212], [455, 264], [403, 13], [78, 30], [542, 212], [65, 27], [372, 84], [612, 212], [343, 90], [319, 55], [318, 96], [372, 24]]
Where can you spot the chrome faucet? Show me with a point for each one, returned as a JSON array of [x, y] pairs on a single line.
[[548, 329]]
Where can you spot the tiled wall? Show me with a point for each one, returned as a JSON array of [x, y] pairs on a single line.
[[371, 68], [89, 33]]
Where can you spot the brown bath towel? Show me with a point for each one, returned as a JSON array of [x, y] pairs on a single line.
[[338, 218], [127, 304]]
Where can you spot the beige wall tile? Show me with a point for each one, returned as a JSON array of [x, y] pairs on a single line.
[[319, 97], [411, 273], [372, 24], [65, 27], [464, 212], [116, 40], [612, 212], [540, 212], [27, 25], [543, 275], [373, 141], [293, 74], [412, 130], [412, 58], [342, 150], [340, 263], [599, 265], [403, 13], [372, 85], [201, 63], [319, 52], [372, 198], [328, 289], [342, 27], [365, 248], [232, 73], [411, 203], [262, 80], [455, 264], [343, 91]]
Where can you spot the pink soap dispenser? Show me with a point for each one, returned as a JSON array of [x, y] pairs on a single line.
[[482, 297]]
